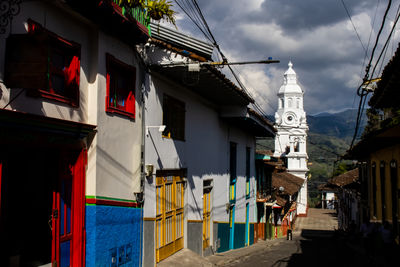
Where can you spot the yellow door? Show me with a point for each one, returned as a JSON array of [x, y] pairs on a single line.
[[169, 220], [206, 216]]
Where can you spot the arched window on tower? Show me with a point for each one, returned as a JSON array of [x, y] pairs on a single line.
[[298, 103], [281, 103], [290, 102], [296, 145]]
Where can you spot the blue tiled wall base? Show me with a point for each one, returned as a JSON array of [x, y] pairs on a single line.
[[113, 236], [240, 234], [223, 236]]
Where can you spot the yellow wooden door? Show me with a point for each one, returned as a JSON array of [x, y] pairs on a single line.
[[169, 219], [206, 218]]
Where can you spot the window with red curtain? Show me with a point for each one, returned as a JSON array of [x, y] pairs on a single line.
[[121, 80], [45, 63]]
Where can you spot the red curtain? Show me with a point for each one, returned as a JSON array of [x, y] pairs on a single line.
[[130, 103], [78, 207], [72, 72]]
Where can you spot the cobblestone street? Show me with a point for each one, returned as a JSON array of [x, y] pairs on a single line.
[[312, 244]]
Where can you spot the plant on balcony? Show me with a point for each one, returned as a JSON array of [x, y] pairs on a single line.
[[161, 9], [156, 9]]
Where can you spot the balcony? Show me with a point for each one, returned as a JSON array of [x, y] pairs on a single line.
[[132, 25]]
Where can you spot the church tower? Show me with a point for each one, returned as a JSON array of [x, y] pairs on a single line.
[[291, 126]]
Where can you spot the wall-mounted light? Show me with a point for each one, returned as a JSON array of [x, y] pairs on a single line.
[[149, 169], [161, 129]]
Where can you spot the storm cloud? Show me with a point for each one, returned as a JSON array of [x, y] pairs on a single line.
[[317, 36]]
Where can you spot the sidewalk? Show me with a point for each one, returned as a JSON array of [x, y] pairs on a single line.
[[188, 258], [236, 255]]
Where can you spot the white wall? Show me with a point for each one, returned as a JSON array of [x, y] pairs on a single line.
[[205, 152], [118, 140]]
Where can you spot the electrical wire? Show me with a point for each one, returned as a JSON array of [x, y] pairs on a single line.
[[360, 91], [354, 27], [192, 9]]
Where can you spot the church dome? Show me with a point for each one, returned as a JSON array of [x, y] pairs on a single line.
[[290, 82]]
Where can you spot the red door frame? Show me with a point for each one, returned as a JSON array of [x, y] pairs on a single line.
[[1, 169], [78, 235]]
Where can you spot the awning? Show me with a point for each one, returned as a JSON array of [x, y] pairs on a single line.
[[208, 82]]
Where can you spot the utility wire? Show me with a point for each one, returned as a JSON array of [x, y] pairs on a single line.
[[360, 91], [387, 41], [354, 27], [202, 24]]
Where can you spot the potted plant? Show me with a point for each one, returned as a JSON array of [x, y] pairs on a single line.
[[161, 9]]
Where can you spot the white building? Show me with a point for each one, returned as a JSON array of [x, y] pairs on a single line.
[[291, 126], [200, 185]]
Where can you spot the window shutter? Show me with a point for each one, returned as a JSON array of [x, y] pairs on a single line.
[[26, 62]]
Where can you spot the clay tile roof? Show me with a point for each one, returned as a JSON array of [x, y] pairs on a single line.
[[280, 201], [289, 182], [345, 178]]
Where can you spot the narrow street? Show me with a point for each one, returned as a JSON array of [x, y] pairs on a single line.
[[314, 243]]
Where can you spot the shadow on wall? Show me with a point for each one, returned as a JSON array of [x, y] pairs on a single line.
[[116, 166]]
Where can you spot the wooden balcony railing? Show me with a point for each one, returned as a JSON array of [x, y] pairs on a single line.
[[138, 13]]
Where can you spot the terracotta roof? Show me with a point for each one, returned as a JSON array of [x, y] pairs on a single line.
[[289, 182], [327, 187], [280, 201], [345, 178]]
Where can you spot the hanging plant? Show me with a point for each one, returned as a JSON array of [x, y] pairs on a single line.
[[156, 9], [161, 9]]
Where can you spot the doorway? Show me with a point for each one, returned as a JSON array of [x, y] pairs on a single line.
[[37, 207]]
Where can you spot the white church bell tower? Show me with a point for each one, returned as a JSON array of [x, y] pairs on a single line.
[[291, 126]]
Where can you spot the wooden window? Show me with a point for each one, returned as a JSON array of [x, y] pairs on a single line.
[[374, 205], [395, 196], [45, 63], [383, 189], [121, 78], [174, 118]]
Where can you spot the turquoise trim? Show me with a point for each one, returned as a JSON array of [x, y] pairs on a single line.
[[263, 157], [247, 231]]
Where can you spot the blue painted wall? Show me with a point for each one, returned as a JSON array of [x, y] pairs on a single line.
[[239, 241], [223, 236], [240, 235], [113, 236], [251, 234]]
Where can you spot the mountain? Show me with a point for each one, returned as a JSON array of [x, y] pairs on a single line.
[[340, 125]]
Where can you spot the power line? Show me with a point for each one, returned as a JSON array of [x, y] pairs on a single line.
[[360, 91], [354, 27], [193, 5]]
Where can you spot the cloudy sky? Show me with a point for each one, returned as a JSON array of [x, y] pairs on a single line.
[[316, 35]]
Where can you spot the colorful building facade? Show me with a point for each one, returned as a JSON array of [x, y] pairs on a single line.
[[71, 135]]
